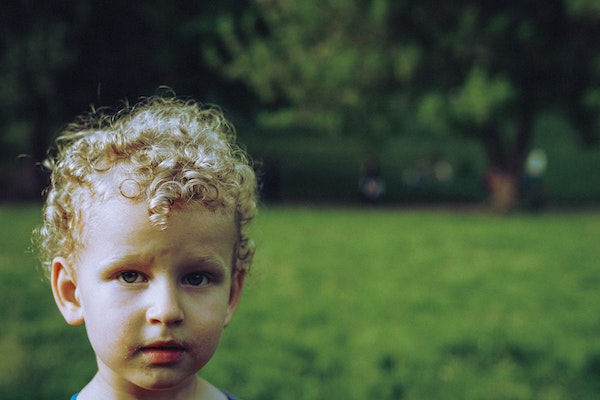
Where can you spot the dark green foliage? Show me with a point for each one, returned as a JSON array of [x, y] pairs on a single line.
[[373, 71]]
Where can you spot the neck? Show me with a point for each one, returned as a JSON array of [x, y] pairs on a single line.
[[195, 388]]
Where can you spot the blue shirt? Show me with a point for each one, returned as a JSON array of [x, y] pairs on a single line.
[[229, 397]]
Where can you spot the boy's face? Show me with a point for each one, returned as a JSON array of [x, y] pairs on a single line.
[[154, 302]]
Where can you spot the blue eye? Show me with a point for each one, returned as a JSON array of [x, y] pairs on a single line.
[[130, 277], [195, 279]]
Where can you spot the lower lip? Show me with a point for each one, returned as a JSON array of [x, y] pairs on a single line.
[[163, 356]]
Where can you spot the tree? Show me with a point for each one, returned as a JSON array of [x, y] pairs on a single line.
[[58, 59], [34, 54], [323, 65], [496, 66], [481, 69]]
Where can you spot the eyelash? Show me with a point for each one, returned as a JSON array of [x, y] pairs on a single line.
[[123, 277], [205, 279], [133, 277]]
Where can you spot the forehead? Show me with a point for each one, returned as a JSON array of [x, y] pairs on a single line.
[[121, 217]]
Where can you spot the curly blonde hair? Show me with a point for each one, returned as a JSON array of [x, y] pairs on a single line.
[[166, 151]]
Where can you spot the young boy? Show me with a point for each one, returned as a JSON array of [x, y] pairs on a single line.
[[144, 241]]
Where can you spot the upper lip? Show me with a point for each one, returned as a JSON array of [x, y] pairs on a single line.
[[164, 344]]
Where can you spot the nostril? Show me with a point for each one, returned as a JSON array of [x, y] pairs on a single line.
[[165, 309], [165, 318]]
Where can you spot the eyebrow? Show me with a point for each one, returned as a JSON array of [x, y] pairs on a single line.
[[138, 260], [141, 261], [204, 261]]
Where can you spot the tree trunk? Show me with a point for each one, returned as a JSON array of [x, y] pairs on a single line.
[[503, 189], [503, 181], [500, 184]]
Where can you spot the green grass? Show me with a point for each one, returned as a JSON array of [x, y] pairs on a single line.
[[363, 304]]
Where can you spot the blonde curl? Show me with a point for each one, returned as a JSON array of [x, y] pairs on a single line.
[[164, 151]]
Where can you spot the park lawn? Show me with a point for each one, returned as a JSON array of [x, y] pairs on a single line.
[[351, 303]]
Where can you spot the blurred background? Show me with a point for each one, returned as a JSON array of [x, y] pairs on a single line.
[[338, 101], [486, 112]]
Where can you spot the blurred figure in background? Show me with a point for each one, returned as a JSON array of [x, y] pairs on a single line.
[[534, 191], [371, 183], [270, 179]]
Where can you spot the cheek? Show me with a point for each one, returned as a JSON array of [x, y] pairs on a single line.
[[206, 338], [105, 314], [112, 331], [206, 316], [207, 319]]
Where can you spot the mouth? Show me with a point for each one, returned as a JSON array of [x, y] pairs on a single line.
[[163, 353]]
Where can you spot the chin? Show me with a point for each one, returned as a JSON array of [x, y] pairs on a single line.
[[164, 381]]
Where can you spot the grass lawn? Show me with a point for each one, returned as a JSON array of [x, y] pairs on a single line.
[[363, 304]]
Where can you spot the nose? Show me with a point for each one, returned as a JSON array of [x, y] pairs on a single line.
[[164, 304]]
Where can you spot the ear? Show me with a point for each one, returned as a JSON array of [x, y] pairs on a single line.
[[64, 288], [237, 283]]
